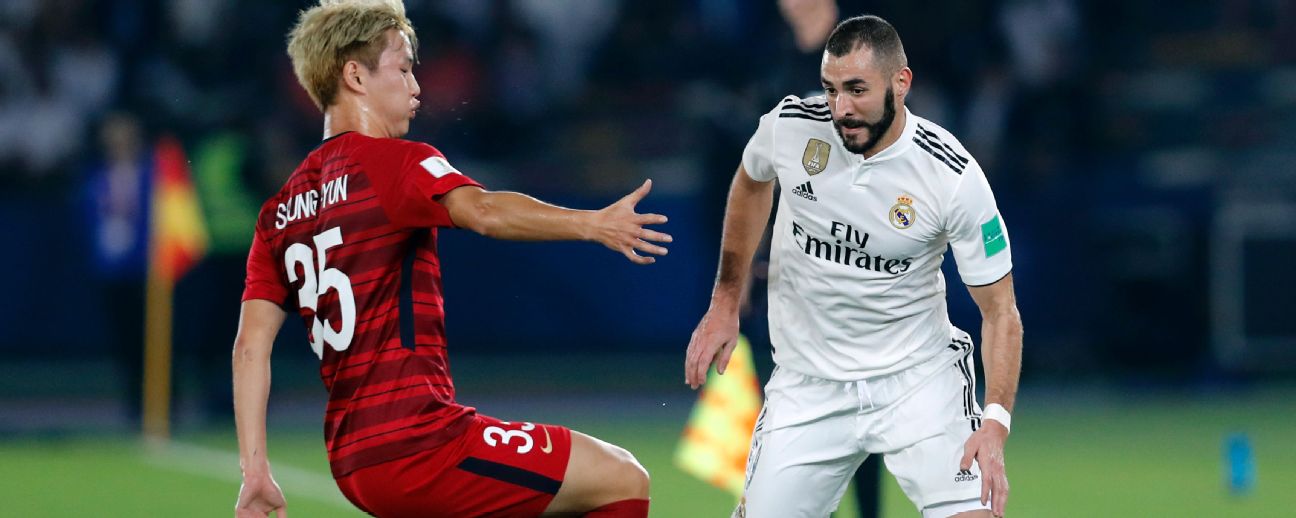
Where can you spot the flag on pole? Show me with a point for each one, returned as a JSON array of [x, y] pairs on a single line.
[[177, 241], [718, 434]]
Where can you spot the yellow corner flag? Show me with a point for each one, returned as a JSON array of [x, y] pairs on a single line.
[[718, 434], [177, 241]]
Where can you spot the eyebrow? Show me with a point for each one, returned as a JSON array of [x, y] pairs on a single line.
[[847, 84]]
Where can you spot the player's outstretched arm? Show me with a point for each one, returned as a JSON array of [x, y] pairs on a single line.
[[518, 217], [1001, 348], [746, 216], [259, 322]]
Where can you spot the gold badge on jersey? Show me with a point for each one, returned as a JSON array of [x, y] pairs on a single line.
[[902, 213], [815, 157]]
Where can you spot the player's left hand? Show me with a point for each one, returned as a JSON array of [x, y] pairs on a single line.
[[620, 228], [987, 447]]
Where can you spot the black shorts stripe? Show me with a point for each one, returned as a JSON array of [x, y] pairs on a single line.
[[939, 156], [804, 116], [823, 110], [935, 139], [511, 474], [969, 381], [967, 387]]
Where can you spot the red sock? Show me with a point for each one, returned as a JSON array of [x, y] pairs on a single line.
[[635, 508]]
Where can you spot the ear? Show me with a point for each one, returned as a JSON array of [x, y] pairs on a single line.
[[901, 81], [354, 76]]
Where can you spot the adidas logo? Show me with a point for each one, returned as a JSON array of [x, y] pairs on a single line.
[[805, 191], [964, 476]]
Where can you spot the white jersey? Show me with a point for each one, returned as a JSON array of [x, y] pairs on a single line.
[[855, 287]]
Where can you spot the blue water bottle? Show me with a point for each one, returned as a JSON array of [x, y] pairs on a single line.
[[1239, 464]]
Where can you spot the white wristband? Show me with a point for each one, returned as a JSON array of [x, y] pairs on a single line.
[[998, 413]]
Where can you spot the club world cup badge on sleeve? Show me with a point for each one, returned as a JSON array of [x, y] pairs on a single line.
[[815, 157], [902, 213]]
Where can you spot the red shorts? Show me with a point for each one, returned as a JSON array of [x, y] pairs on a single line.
[[496, 468]]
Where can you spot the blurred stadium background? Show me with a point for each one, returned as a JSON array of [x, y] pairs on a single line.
[[1142, 155]]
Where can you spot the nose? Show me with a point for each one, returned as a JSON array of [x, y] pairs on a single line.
[[414, 86], [841, 107]]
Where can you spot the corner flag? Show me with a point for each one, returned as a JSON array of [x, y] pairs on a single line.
[[718, 434], [177, 241]]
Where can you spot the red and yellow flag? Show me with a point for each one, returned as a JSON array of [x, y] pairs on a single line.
[[177, 241], [718, 434], [178, 234]]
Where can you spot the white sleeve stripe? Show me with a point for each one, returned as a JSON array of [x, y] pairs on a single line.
[[437, 166]]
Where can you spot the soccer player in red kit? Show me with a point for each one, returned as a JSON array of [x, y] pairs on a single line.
[[349, 242]]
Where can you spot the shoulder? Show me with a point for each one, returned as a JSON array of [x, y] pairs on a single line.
[[810, 108], [391, 148], [794, 116], [940, 145]]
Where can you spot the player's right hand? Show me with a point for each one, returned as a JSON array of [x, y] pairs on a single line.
[[259, 496], [712, 343]]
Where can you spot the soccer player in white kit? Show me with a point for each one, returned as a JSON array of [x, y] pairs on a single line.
[[866, 359]]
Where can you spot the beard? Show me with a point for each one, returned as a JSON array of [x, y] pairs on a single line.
[[875, 129]]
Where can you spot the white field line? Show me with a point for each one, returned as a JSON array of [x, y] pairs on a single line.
[[222, 465]]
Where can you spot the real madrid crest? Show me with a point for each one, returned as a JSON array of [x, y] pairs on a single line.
[[902, 213], [815, 157]]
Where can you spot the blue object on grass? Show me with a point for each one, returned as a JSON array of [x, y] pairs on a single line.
[[1239, 464]]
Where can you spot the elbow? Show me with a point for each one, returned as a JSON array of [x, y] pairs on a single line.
[[240, 354], [1007, 318], [1014, 323], [247, 351]]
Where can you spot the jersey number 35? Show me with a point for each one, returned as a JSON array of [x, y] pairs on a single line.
[[317, 282]]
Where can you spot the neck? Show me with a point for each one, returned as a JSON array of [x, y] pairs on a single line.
[[892, 134], [349, 115]]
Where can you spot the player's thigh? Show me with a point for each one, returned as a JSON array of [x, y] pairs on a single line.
[[800, 470], [928, 469], [598, 473], [496, 468]]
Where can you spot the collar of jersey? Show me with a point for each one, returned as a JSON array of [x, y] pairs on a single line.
[[896, 148]]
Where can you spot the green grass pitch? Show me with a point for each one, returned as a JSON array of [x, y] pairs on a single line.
[[1152, 456]]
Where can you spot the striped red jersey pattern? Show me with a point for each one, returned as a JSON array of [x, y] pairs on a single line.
[[350, 243]]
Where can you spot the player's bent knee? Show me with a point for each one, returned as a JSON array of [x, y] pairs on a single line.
[[638, 478], [598, 474], [631, 477]]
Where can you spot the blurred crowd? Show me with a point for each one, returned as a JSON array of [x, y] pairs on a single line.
[[512, 84], [1111, 109]]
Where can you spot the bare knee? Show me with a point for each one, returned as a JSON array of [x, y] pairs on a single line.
[[599, 473], [632, 478]]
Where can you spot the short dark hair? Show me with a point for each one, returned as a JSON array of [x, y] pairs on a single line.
[[872, 32]]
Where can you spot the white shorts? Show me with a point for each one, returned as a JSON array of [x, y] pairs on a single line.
[[813, 434]]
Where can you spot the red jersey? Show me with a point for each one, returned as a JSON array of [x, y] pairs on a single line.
[[350, 242]]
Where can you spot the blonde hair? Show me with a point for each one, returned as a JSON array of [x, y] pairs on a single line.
[[334, 32]]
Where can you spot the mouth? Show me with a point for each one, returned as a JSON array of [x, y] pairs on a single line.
[[853, 132]]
